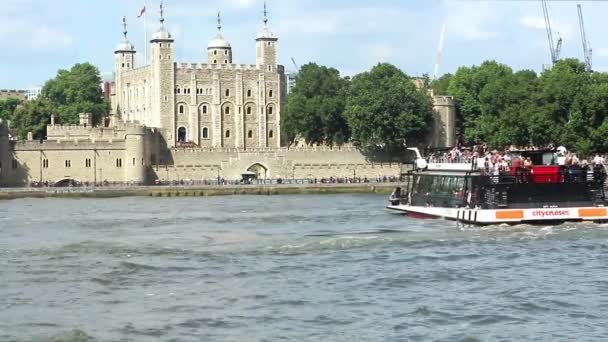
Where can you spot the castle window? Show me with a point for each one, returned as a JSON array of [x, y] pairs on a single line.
[[118, 162], [225, 61], [123, 65], [68, 163], [15, 164], [45, 163], [270, 93], [269, 43], [178, 90], [87, 162], [204, 109], [270, 110], [248, 110], [181, 134], [161, 44], [249, 93], [228, 134], [270, 68], [227, 92], [180, 109], [205, 133], [133, 161], [250, 134], [215, 52], [226, 52], [215, 61], [227, 110], [270, 134]]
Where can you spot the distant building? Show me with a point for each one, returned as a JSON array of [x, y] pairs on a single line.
[[291, 81], [13, 93], [33, 93], [28, 94]]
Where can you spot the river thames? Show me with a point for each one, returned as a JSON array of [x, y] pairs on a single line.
[[292, 268]]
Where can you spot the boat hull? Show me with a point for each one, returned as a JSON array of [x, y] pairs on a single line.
[[513, 216]]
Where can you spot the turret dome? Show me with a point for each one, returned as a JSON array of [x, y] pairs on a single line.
[[219, 42], [162, 33], [125, 45]]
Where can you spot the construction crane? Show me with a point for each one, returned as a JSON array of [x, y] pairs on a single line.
[[587, 52], [295, 64], [554, 48]]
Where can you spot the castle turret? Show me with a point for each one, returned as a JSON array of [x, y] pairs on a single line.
[[219, 50], [135, 154], [163, 84], [266, 46], [443, 132], [124, 60]]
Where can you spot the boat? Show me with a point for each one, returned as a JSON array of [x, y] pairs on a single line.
[[467, 191]]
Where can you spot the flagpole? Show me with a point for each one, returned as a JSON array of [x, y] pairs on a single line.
[[145, 33]]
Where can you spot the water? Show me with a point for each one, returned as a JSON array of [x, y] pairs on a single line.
[[293, 268]]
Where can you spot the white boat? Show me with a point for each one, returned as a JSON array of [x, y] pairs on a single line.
[[463, 191]]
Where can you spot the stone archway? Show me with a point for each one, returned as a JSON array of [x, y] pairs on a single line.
[[260, 170], [66, 182]]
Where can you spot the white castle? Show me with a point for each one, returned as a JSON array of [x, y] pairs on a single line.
[[212, 104]]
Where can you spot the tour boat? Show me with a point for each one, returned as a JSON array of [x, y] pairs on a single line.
[[469, 193]]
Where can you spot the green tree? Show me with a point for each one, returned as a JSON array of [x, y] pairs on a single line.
[[384, 108], [315, 108], [33, 117], [8, 107], [76, 91], [440, 85]]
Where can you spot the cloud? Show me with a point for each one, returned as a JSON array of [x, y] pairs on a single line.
[[471, 21], [354, 20], [563, 29], [33, 34]]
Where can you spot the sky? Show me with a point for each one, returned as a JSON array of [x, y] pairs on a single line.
[[39, 37]]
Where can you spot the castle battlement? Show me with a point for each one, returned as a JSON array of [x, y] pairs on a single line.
[[74, 144], [200, 66], [444, 101]]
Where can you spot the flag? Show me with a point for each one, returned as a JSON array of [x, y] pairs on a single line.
[[142, 12]]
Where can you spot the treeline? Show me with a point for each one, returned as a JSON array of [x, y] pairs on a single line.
[[564, 105], [381, 107], [70, 93]]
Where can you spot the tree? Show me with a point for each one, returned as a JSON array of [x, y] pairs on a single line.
[[33, 117], [440, 85], [8, 107], [384, 108], [76, 91], [315, 108]]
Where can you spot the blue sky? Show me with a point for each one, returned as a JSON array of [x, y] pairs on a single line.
[[38, 37]]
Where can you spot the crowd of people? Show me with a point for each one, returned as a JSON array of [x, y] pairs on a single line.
[[513, 158]]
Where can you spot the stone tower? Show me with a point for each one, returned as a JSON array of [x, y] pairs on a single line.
[[266, 46], [163, 82], [5, 155], [124, 60], [219, 50], [443, 133], [135, 154]]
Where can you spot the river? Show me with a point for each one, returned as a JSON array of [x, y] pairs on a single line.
[[292, 268]]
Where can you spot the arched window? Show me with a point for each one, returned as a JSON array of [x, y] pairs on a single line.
[[215, 52], [205, 133], [228, 134], [226, 110], [270, 110], [249, 93], [180, 109], [204, 109], [227, 92], [248, 110], [178, 90], [250, 134], [270, 93], [226, 52], [181, 134], [225, 61], [215, 61], [270, 134]]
